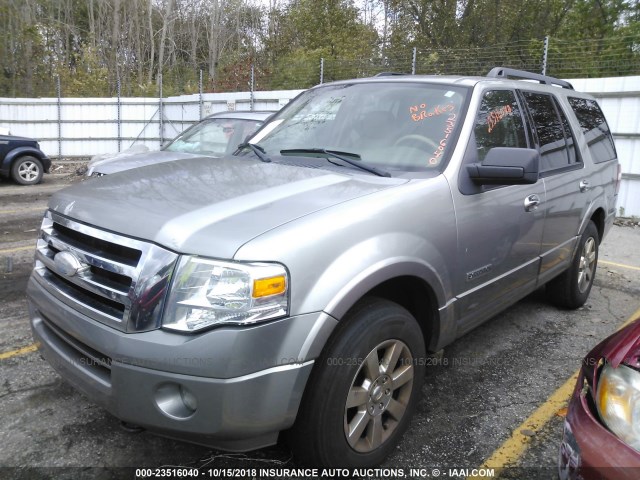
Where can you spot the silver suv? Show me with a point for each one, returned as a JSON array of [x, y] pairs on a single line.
[[299, 285]]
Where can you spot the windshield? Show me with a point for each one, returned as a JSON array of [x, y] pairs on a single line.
[[215, 137], [397, 125]]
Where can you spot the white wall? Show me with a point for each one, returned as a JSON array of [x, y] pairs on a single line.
[[89, 126]]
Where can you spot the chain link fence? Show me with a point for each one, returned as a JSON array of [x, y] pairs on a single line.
[[563, 58]]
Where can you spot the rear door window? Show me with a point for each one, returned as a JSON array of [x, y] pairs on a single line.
[[556, 142]]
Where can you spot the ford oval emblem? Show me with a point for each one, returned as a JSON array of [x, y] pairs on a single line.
[[68, 264]]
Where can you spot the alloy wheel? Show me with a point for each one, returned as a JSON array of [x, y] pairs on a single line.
[[28, 171], [378, 396], [587, 264]]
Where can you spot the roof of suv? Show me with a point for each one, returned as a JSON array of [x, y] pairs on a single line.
[[497, 74]]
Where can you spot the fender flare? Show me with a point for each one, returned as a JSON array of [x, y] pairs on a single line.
[[379, 273], [18, 152]]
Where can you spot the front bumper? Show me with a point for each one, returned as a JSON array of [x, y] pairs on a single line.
[[229, 388], [589, 451]]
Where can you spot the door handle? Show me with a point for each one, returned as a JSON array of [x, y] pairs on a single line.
[[584, 186], [531, 203]]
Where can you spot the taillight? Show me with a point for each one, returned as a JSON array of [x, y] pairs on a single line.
[[618, 178]]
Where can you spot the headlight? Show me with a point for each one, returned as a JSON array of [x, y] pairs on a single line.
[[207, 293], [618, 402]]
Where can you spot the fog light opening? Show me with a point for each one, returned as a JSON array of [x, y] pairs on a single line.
[[176, 401]]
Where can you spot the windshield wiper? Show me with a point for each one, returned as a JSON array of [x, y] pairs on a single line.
[[340, 156], [257, 149]]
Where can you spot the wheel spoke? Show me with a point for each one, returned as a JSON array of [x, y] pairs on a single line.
[[372, 365], [357, 396], [589, 250], [581, 280], [356, 427], [402, 375], [391, 356], [396, 409], [374, 434]]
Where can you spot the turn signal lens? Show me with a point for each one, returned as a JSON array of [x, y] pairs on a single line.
[[265, 287]]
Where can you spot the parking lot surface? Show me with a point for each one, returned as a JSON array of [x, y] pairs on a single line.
[[482, 395]]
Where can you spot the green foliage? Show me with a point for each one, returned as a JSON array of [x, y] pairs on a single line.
[[595, 30], [90, 44], [313, 30], [88, 77]]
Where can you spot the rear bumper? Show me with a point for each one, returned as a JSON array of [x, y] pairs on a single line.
[[233, 389]]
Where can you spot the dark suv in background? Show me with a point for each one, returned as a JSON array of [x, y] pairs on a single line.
[[22, 160]]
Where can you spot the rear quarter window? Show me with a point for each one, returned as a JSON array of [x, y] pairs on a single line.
[[595, 129]]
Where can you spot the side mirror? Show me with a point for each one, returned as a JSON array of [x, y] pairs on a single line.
[[506, 166]]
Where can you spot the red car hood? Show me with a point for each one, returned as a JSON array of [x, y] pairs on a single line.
[[621, 347]]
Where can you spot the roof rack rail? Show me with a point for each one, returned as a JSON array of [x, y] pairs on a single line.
[[498, 72], [388, 74]]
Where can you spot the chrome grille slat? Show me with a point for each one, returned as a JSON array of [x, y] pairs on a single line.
[[70, 297], [86, 281], [89, 258], [115, 280], [101, 234]]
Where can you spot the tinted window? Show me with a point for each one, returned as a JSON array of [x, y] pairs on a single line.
[[551, 135], [595, 129], [557, 143], [499, 123], [568, 136]]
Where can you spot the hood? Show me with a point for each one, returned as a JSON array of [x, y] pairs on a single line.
[[206, 206], [13, 138], [126, 161], [621, 347]]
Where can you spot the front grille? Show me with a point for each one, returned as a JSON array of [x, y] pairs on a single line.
[[122, 282]]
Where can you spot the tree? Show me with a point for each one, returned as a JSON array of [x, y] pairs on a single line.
[[310, 30]]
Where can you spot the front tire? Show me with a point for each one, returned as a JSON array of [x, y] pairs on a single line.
[[571, 289], [27, 170], [363, 390]]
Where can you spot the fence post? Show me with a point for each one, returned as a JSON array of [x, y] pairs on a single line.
[[160, 110], [118, 86], [413, 61], [253, 85], [200, 102], [59, 106], [545, 54], [321, 71]]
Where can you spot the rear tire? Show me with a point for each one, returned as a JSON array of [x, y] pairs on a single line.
[[27, 170], [363, 390], [571, 289]]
